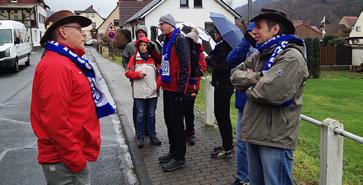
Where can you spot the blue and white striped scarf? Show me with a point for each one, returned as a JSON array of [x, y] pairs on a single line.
[[281, 42], [103, 107]]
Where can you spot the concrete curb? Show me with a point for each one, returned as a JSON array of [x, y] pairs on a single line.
[[127, 127]]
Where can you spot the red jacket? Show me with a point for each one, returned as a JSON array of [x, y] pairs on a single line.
[[179, 66], [63, 114], [203, 67]]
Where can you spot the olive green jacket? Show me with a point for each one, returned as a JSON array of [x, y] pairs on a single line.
[[266, 120]]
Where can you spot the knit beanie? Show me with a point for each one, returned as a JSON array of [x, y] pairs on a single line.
[[168, 19]]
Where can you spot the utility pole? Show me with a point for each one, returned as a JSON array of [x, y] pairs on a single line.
[[249, 10]]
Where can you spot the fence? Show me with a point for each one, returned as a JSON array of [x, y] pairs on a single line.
[[335, 55], [331, 140]]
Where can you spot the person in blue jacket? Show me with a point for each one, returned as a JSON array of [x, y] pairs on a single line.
[[234, 58]]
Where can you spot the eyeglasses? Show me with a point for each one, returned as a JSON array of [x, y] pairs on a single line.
[[76, 27]]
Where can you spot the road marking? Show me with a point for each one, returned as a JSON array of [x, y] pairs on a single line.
[[15, 121]]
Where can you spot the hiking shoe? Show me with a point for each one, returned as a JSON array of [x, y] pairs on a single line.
[[191, 140], [140, 142], [166, 158], [223, 154], [155, 141], [173, 165], [238, 182]]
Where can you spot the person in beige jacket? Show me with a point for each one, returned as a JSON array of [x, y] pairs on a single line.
[[273, 82]]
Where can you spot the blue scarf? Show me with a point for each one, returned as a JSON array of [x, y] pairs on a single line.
[[103, 107], [281, 42], [165, 66]]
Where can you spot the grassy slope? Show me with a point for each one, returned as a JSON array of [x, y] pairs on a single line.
[[336, 95]]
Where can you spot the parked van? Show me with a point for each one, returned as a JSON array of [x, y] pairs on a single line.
[[15, 48]]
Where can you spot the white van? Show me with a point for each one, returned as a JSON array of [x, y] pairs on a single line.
[[15, 48]]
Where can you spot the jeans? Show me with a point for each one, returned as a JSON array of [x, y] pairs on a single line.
[[222, 100], [241, 150], [173, 115], [59, 174], [269, 165], [145, 108], [189, 115]]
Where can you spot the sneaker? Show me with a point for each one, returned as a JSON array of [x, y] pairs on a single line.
[[140, 142], [191, 140], [223, 154], [155, 141], [238, 182], [173, 165], [216, 150], [166, 158]]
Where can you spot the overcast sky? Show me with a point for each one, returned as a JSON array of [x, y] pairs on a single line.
[[103, 7]]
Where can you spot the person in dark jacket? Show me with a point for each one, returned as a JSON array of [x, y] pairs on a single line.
[[198, 67], [174, 77], [223, 91], [236, 57]]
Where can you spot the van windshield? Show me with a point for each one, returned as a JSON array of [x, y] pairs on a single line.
[[5, 36]]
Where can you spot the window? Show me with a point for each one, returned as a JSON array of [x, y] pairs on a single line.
[[357, 28], [184, 3], [94, 24], [198, 3], [208, 26], [14, 1], [116, 23]]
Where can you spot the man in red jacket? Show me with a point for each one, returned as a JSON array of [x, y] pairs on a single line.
[[174, 73], [64, 107]]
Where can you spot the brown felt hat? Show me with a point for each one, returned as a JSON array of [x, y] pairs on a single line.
[[61, 18], [276, 16]]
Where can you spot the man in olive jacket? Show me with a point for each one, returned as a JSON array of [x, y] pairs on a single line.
[[273, 82]]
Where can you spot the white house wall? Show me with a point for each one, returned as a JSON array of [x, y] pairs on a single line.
[[196, 16], [115, 15], [357, 31], [357, 56], [96, 19]]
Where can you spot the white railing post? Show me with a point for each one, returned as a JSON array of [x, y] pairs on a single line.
[[331, 153], [209, 101]]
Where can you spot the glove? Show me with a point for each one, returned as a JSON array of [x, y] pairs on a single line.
[[150, 47]]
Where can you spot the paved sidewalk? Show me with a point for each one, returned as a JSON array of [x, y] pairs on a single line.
[[201, 168]]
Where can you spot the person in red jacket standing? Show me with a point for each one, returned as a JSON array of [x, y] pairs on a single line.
[[142, 71], [66, 102], [198, 67], [175, 70]]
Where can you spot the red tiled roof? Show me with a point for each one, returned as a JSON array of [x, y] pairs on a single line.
[[350, 20], [129, 7]]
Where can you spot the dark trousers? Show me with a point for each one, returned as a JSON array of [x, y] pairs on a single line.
[[173, 115], [189, 114], [222, 100]]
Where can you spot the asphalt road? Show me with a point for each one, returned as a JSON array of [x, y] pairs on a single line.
[[18, 148]]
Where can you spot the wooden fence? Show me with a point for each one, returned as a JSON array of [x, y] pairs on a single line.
[[335, 55]]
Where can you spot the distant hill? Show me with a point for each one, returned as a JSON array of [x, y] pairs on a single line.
[[311, 11]]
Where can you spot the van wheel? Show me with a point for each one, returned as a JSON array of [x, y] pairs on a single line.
[[16, 66], [27, 63]]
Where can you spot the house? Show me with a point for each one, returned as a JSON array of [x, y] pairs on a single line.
[[195, 12], [348, 21], [112, 18], [97, 20], [356, 41], [32, 13], [304, 30], [128, 8]]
